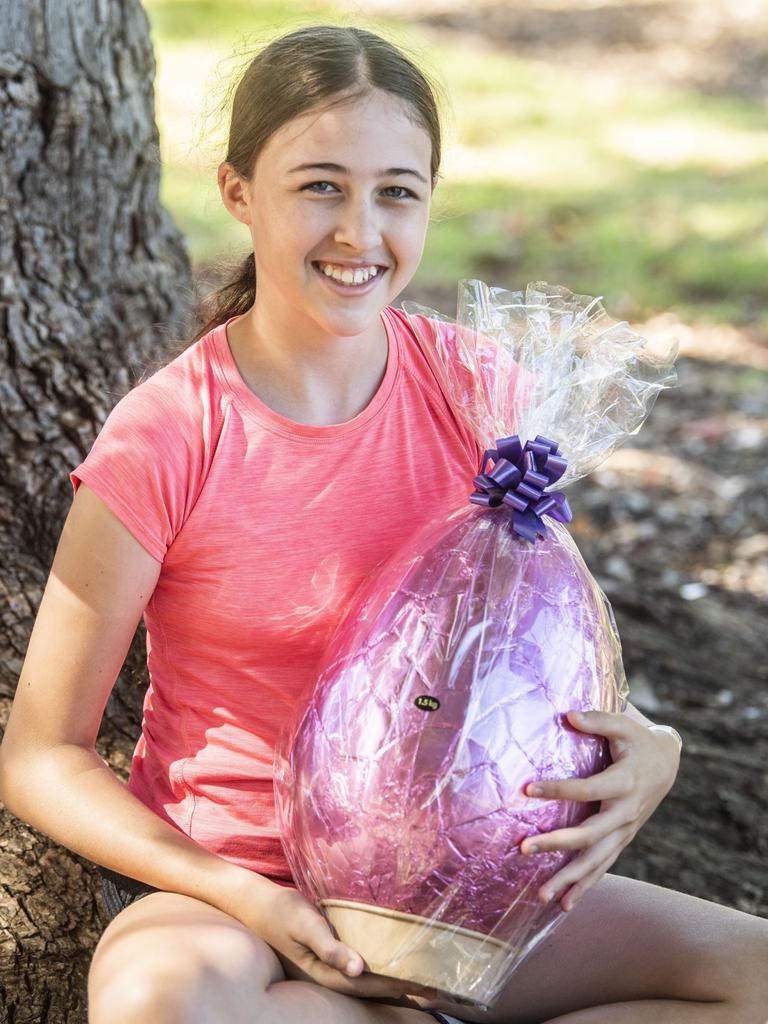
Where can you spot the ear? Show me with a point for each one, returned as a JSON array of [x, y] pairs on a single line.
[[234, 192]]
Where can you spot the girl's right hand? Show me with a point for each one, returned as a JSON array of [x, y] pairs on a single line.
[[309, 951]]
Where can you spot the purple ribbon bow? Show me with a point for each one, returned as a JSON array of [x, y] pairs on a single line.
[[518, 479]]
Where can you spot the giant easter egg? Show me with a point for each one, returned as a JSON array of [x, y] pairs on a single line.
[[401, 793]]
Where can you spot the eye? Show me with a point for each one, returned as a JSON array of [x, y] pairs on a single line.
[[407, 192], [316, 187]]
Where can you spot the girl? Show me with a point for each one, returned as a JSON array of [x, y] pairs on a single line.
[[236, 499]]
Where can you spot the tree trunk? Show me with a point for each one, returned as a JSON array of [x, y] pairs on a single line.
[[94, 286]]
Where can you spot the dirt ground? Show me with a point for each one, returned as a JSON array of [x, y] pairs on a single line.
[[675, 525]]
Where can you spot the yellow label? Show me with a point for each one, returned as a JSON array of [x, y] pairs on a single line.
[[427, 703]]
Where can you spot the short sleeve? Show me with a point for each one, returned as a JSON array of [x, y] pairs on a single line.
[[144, 464], [482, 379]]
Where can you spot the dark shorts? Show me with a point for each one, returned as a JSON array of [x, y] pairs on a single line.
[[119, 891]]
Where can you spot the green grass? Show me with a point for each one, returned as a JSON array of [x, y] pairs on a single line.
[[176, 22], [654, 199]]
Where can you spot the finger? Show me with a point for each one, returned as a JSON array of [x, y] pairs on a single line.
[[338, 966], [384, 985], [329, 977], [603, 723], [585, 836], [579, 868], [612, 783], [605, 852], [303, 965], [572, 896], [399, 983], [370, 985], [313, 932]]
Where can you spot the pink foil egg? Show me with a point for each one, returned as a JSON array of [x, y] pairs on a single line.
[[401, 788]]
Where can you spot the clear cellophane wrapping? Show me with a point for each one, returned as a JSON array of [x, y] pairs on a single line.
[[401, 786]]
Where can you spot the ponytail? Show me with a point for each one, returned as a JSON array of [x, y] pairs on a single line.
[[232, 299]]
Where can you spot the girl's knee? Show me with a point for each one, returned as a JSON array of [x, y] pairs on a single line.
[[168, 990], [135, 1001], [178, 962]]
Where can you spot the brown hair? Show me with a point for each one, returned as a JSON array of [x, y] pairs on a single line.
[[290, 76]]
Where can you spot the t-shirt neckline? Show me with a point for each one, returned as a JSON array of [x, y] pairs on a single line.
[[274, 421]]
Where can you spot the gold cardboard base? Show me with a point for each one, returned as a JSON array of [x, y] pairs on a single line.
[[455, 960]]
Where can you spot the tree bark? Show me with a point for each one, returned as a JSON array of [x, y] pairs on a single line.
[[95, 287]]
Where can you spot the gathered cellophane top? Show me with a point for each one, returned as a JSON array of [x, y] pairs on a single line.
[[587, 381]]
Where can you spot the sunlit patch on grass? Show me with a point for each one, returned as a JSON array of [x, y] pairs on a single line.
[[652, 197]]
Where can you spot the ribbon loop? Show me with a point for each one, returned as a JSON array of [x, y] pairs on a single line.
[[519, 478]]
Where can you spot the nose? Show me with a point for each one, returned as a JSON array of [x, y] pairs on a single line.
[[358, 225]]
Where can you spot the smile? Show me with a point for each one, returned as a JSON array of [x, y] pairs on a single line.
[[349, 279]]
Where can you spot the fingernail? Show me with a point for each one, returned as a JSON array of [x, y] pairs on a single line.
[[351, 966], [535, 790], [533, 849]]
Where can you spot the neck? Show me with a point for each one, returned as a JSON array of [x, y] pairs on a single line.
[[315, 378]]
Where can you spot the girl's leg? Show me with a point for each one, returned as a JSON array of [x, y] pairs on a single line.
[[629, 953], [171, 959], [634, 953]]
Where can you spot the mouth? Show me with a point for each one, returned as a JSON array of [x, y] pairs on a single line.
[[350, 287]]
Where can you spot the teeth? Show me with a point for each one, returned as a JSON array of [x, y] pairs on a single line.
[[347, 276]]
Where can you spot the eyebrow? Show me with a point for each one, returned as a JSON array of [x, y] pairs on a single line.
[[389, 172]]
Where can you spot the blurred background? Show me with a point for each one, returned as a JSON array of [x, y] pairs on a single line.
[[614, 147]]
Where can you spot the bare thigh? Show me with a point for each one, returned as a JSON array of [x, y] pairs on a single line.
[[628, 940], [174, 943]]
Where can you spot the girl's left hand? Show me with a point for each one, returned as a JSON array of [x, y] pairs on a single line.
[[644, 768]]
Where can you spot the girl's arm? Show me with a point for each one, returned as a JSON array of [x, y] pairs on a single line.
[[50, 773], [52, 777]]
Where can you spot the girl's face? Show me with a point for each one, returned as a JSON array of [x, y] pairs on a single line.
[[333, 190]]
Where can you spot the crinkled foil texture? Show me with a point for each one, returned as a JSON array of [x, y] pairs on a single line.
[[422, 811]]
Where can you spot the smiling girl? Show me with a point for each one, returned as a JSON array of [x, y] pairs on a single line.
[[237, 499]]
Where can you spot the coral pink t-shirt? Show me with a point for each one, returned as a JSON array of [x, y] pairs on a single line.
[[265, 529]]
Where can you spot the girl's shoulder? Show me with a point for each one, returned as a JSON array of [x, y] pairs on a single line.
[[431, 352], [152, 456], [477, 372], [419, 339], [181, 396]]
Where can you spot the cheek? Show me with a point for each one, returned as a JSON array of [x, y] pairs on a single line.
[[280, 240], [417, 223], [413, 238]]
